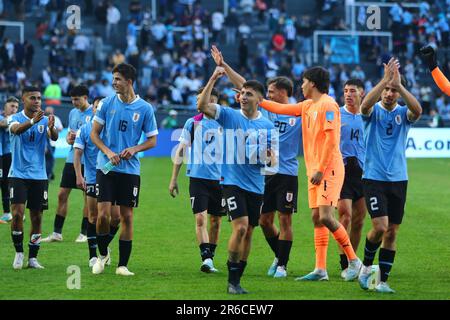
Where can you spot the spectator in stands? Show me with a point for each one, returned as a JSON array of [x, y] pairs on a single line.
[[117, 58], [135, 9], [358, 73], [436, 119], [100, 12], [261, 6], [290, 33], [29, 54], [170, 122], [231, 25], [52, 93], [243, 54], [244, 30], [81, 44], [159, 32], [425, 97], [217, 20], [112, 20]]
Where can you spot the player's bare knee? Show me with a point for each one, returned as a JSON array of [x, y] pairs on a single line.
[[264, 221], [215, 223], [63, 196], [200, 220], [241, 230], [389, 236], [285, 222]]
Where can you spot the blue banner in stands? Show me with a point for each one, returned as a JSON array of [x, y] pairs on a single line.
[[344, 50]]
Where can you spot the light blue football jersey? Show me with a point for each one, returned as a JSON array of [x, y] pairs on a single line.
[[385, 138], [90, 151], [290, 130], [352, 136], [28, 149], [76, 119], [123, 125], [205, 141], [239, 168]]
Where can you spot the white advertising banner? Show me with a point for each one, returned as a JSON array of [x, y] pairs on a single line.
[[428, 143]]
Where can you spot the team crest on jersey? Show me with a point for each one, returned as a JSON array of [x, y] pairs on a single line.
[[292, 121], [136, 116], [398, 119], [45, 195], [88, 118], [41, 128], [289, 196]]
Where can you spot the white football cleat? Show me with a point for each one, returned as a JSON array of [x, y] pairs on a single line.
[[123, 271], [354, 267], [81, 238], [273, 268], [54, 237], [344, 273], [281, 272], [7, 217], [99, 265], [108, 257], [208, 266], [92, 261], [34, 264], [18, 261]]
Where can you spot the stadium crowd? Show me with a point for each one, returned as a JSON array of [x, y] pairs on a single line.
[[171, 55]]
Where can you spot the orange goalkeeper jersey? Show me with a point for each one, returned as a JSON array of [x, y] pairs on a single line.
[[321, 129]]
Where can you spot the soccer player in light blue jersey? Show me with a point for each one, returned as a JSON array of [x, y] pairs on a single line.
[[281, 187], [27, 177], [120, 119], [88, 151], [385, 176], [351, 205], [81, 114], [10, 108], [202, 141], [243, 179]]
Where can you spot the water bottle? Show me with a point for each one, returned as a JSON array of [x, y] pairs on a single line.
[[107, 167]]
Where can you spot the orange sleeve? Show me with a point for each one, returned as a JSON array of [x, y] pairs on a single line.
[[281, 108], [441, 81], [331, 123]]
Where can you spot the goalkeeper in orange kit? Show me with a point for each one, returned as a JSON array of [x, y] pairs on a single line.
[[429, 55]]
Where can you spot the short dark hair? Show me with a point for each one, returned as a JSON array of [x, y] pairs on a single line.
[[30, 89], [97, 98], [79, 91], [214, 92], [282, 83], [255, 85], [354, 82], [320, 76], [126, 70]]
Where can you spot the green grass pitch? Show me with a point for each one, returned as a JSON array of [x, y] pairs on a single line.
[[166, 258]]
